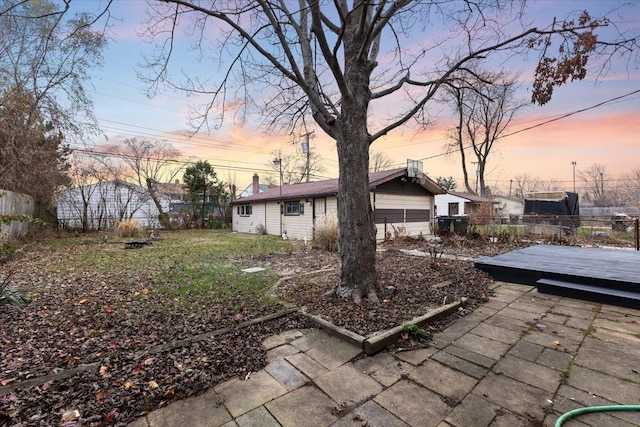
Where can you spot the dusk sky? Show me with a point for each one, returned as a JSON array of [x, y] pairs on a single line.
[[607, 134]]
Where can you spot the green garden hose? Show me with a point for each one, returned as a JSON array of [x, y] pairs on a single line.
[[589, 409]]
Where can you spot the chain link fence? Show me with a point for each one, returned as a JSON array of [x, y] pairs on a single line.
[[617, 230]]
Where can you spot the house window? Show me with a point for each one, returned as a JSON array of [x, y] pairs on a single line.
[[293, 208], [453, 208], [244, 210]]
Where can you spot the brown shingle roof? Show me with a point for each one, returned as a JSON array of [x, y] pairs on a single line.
[[472, 197], [330, 187]]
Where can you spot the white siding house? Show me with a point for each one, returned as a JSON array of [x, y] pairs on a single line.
[[458, 203], [508, 207], [99, 206], [401, 204]]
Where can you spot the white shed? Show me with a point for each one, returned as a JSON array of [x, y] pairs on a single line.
[[458, 203]]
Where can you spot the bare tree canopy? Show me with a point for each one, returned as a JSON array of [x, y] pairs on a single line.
[[294, 168], [149, 163], [485, 105], [45, 57], [47, 51], [593, 179], [340, 65], [379, 161]]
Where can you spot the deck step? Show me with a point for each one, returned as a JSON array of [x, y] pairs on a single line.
[[589, 292]]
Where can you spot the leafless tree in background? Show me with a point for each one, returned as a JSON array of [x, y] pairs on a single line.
[[525, 183], [149, 163], [485, 105], [379, 161], [594, 179], [294, 168]]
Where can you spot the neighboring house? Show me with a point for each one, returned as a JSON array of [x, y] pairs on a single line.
[[507, 207], [99, 206], [457, 203], [398, 200], [180, 206], [254, 188]]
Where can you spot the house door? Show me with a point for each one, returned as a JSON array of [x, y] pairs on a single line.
[[319, 212]]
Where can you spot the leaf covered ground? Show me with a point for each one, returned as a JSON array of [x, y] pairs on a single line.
[[110, 334]]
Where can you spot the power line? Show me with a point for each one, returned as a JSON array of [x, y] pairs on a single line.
[[563, 116]]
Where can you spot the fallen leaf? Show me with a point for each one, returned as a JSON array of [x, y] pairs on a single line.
[[100, 394], [556, 343], [84, 300], [110, 418], [127, 384], [149, 361], [112, 346], [153, 385], [169, 392], [7, 381], [72, 361], [145, 291], [70, 416], [104, 371]]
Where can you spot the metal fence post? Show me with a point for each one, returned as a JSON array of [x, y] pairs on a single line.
[[637, 227]]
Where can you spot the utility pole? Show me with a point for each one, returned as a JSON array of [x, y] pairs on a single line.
[[306, 149], [278, 162]]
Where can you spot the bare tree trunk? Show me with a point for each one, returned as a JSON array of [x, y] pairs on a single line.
[[459, 132], [356, 225]]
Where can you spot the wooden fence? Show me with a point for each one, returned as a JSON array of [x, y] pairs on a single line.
[[14, 204]]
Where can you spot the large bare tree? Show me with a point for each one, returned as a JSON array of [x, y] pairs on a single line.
[[485, 105], [339, 63], [46, 53]]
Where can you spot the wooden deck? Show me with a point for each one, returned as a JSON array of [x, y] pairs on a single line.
[[603, 275]]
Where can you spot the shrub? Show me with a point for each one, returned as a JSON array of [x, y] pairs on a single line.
[[7, 297], [326, 235], [6, 248], [261, 229], [129, 228]]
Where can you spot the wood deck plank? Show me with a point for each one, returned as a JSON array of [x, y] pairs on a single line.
[[549, 260]]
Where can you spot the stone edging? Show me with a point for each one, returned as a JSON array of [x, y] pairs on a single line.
[[377, 342]]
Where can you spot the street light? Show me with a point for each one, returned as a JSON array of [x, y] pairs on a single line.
[[574, 176], [278, 162]]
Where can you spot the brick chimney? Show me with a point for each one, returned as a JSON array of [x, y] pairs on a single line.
[[256, 183]]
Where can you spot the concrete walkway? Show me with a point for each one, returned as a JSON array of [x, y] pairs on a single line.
[[522, 359]]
